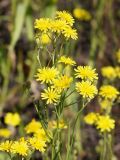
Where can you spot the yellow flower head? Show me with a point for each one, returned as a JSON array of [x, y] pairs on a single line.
[[69, 32], [117, 70], [33, 126], [86, 73], [63, 82], [45, 39], [6, 146], [37, 144], [41, 135], [58, 25], [67, 61], [20, 147], [63, 15], [118, 56], [81, 14], [108, 72], [105, 123], [105, 104], [61, 125], [91, 118], [51, 95], [86, 89], [108, 92], [12, 119], [43, 24], [4, 132], [46, 75]]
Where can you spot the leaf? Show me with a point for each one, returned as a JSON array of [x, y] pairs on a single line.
[[29, 27], [4, 156], [19, 21]]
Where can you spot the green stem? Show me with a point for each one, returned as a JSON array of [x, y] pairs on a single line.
[[71, 104], [70, 94], [9, 156], [106, 150], [72, 138], [104, 147]]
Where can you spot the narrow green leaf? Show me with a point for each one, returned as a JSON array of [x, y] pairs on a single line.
[[19, 21], [29, 27]]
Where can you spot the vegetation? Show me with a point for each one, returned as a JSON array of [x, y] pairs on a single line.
[[59, 80]]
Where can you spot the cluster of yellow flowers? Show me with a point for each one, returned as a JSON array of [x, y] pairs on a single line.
[[11, 119], [24, 146], [54, 80], [108, 94], [48, 29], [58, 82], [87, 86], [102, 122]]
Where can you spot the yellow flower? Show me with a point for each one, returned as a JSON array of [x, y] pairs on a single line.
[[46, 75], [67, 61], [33, 126], [68, 32], [105, 104], [20, 147], [81, 14], [108, 72], [58, 25], [118, 56], [91, 118], [86, 89], [86, 73], [105, 123], [62, 82], [63, 15], [4, 132], [45, 39], [51, 95], [41, 135], [6, 146], [37, 144], [117, 70], [43, 24], [108, 92], [12, 119], [61, 124]]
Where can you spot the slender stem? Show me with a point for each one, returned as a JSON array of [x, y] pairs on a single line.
[[9, 156], [71, 104], [38, 57], [103, 149], [72, 138], [109, 152], [70, 94], [42, 122]]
